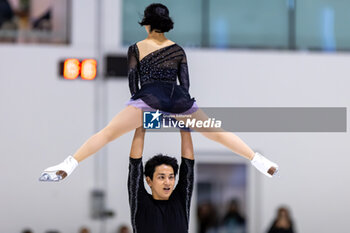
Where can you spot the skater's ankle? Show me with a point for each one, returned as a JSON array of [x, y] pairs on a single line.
[[76, 158], [251, 156]]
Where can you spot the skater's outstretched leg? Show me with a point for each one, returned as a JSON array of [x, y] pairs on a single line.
[[235, 144], [128, 119]]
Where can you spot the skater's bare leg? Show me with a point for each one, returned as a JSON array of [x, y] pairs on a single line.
[[125, 121], [235, 144], [227, 139], [128, 119]]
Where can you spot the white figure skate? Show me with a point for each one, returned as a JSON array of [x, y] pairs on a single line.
[[60, 171], [264, 165]]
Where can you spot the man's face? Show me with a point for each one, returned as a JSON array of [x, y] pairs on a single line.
[[163, 182]]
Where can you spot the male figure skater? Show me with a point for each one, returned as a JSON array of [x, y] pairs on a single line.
[[167, 210]]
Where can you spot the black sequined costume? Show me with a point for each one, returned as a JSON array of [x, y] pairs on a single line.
[[157, 74], [160, 216]]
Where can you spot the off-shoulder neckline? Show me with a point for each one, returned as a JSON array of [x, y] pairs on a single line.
[[157, 50]]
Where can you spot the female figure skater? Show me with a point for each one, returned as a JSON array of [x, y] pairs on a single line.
[[156, 62]]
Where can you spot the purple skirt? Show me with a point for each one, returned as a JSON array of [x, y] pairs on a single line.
[[139, 103]]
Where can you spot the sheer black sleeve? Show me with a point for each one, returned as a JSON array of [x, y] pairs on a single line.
[[183, 73], [133, 73], [136, 188], [184, 187]]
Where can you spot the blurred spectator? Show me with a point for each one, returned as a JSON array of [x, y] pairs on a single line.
[[207, 217], [233, 220], [27, 231], [44, 22], [123, 229], [283, 222], [84, 230], [6, 12]]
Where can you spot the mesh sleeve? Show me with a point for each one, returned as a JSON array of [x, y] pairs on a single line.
[[133, 73], [183, 73], [136, 186], [184, 187]]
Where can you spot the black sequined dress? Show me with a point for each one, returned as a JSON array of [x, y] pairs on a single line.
[[154, 78]]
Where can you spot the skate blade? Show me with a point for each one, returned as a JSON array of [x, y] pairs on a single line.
[[50, 177]]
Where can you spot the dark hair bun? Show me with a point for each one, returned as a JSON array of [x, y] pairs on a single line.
[[157, 16]]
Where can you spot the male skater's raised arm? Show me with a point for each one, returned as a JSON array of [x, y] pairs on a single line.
[[184, 187], [136, 188]]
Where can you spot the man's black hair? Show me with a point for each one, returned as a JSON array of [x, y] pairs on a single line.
[[157, 16], [158, 160]]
